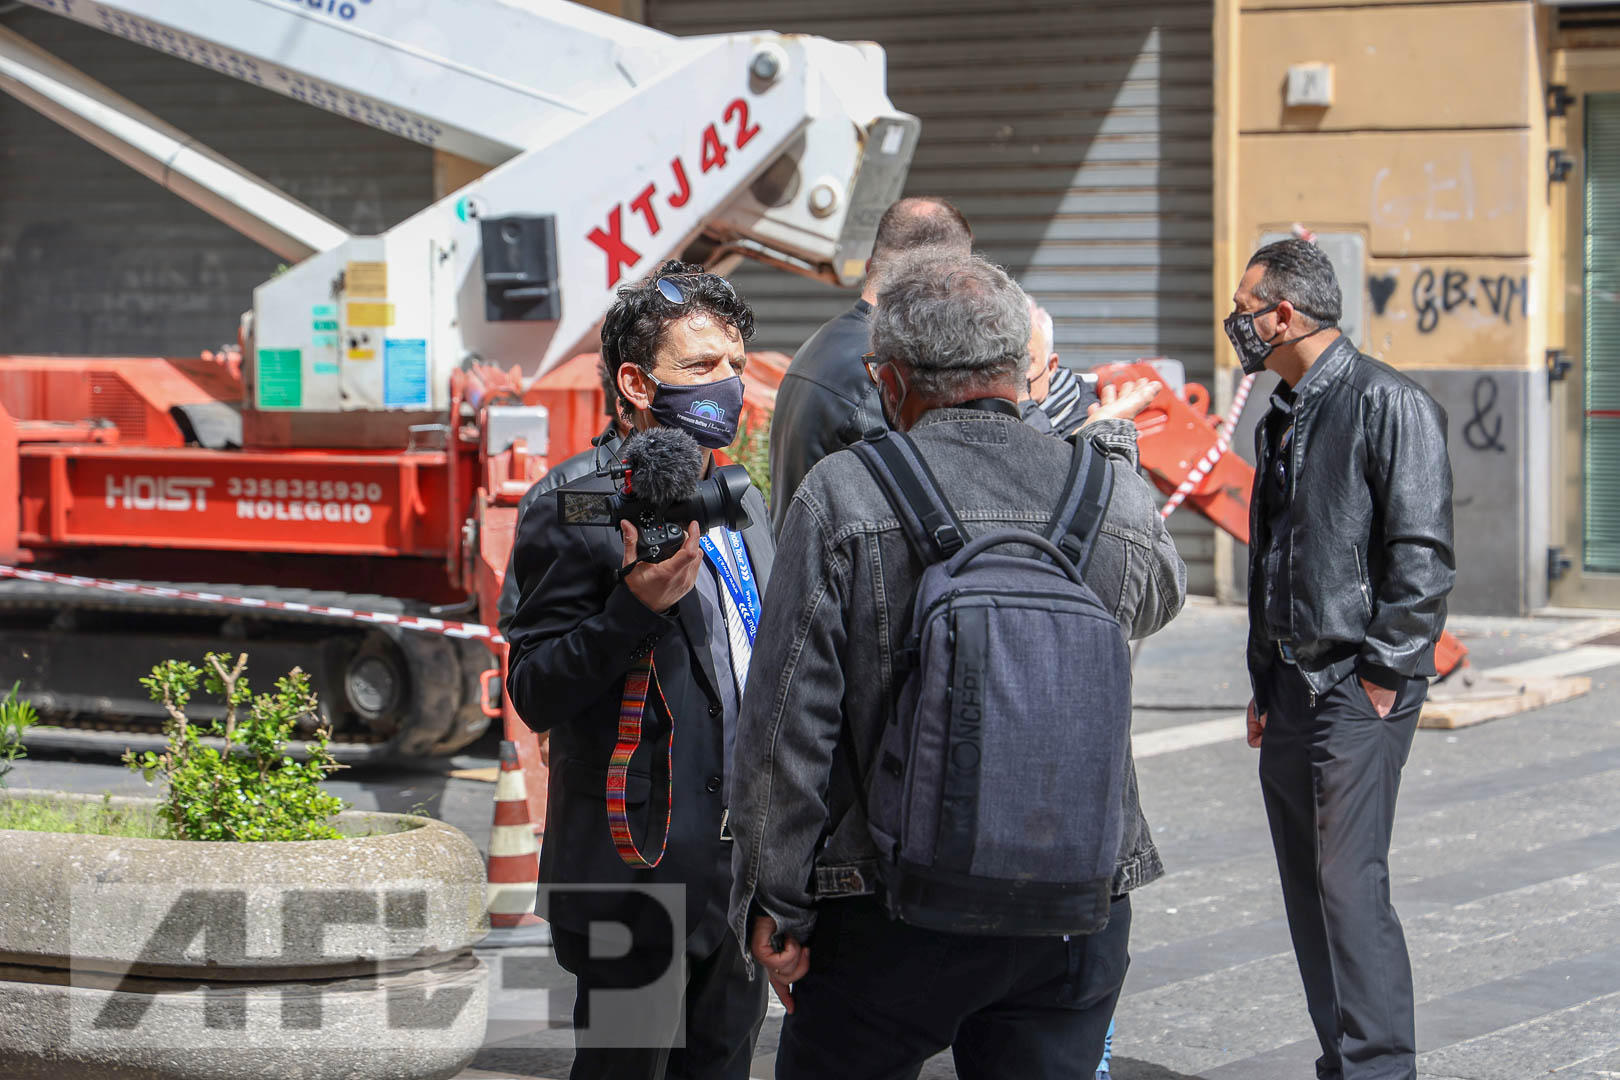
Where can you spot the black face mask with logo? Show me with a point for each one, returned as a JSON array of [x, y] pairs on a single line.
[[1252, 349], [708, 412]]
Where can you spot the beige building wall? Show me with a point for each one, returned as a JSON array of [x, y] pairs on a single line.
[[1428, 151], [1434, 152]]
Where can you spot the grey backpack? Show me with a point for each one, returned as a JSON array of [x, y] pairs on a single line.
[[995, 797]]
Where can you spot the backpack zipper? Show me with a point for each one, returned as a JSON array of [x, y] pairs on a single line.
[[955, 594]]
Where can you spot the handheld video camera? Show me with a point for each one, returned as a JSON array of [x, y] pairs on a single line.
[[660, 493]]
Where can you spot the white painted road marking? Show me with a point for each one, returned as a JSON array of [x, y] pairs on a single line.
[[1232, 729], [1570, 662], [1187, 736]]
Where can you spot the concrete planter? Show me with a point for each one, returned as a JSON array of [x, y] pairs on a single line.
[[158, 959]]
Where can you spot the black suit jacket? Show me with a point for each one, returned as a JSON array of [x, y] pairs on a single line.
[[574, 637], [566, 471]]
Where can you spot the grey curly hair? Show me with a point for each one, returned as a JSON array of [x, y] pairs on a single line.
[[957, 323]]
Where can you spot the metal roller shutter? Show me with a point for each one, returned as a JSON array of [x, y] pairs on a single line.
[[97, 259], [1076, 137]]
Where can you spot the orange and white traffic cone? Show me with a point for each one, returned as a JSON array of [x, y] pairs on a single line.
[[514, 861]]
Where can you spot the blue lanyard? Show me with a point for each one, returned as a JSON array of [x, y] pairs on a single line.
[[744, 595]]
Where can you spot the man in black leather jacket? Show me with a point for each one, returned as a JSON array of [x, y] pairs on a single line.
[[826, 401], [1350, 562]]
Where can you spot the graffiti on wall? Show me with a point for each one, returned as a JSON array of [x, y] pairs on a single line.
[[1446, 192], [1483, 431], [1439, 292]]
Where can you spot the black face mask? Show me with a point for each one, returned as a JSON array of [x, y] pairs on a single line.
[[1252, 349], [708, 412]]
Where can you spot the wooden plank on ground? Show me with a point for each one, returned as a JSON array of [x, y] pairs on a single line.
[[1492, 699]]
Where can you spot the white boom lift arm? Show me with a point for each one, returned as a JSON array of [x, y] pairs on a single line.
[[615, 146]]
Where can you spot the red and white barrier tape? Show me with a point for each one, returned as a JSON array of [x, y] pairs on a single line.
[[1223, 443], [404, 622]]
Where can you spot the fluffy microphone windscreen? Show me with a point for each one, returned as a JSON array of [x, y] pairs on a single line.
[[664, 463]]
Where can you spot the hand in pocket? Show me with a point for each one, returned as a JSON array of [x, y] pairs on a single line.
[[1256, 724], [1382, 700]]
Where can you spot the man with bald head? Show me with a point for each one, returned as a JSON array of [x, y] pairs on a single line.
[[826, 402]]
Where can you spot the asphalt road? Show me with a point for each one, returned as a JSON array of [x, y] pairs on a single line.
[[1505, 869]]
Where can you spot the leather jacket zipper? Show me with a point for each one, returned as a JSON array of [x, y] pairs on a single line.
[[1361, 579], [1293, 486]]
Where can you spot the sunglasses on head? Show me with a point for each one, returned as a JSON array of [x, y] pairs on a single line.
[[677, 289], [672, 288]]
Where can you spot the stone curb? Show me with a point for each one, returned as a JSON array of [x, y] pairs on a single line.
[[411, 897], [418, 1025]]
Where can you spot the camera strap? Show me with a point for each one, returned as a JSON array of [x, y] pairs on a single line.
[[641, 681]]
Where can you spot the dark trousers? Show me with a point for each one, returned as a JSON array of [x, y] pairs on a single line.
[[1330, 770], [632, 1038], [883, 997]]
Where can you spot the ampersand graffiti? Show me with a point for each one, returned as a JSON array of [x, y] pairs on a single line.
[[1484, 430]]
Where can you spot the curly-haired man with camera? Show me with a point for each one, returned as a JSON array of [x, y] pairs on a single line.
[[635, 665]]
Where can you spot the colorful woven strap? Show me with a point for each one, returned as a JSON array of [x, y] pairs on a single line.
[[632, 709]]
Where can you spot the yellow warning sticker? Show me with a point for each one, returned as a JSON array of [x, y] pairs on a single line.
[[366, 279], [854, 268], [368, 314], [362, 354]]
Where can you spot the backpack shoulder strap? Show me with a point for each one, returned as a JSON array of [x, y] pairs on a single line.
[[1086, 496], [929, 522]]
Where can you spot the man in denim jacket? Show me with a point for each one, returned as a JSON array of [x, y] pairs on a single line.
[[870, 996]]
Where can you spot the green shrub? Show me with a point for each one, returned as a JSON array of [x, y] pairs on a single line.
[[253, 790], [17, 715], [751, 450]]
